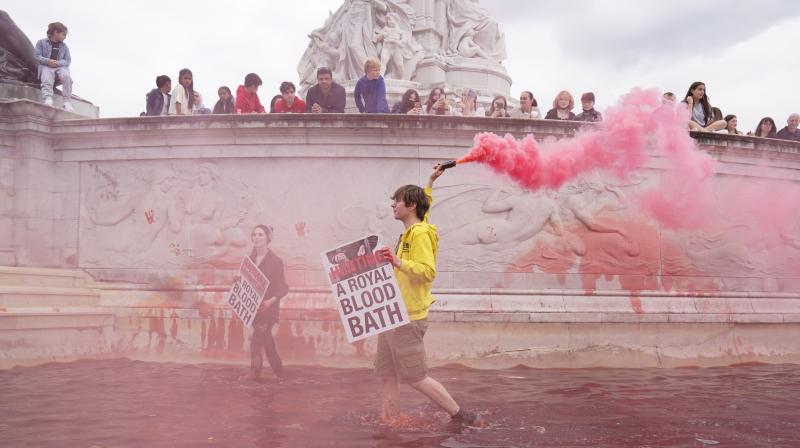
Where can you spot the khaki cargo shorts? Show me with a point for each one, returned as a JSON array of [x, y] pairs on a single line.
[[401, 352]]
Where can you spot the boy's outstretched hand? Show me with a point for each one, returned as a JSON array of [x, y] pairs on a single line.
[[437, 171]]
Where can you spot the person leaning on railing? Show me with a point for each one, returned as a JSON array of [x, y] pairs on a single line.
[[409, 104], [790, 131], [766, 128], [562, 107]]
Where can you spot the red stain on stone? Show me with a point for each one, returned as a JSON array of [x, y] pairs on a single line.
[[173, 331], [235, 335], [300, 228], [157, 329], [636, 304], [295, 346], [72, 261]]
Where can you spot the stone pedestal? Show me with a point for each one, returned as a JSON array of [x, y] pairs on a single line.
[[22, 91], [456, 74]]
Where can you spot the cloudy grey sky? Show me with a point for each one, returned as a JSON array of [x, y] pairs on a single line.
[[745, 51]]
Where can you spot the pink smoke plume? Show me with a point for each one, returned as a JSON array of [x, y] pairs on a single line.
[[639, 125]]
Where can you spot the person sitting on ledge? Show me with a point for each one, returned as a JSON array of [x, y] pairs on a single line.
[[199, 107], [589, 113], [668, 98], [765, 129], [54, 58], [225, 104], [247, 101], [326, 96], [158, 99], [499, 108], [702, 117], [437, 102], [732, 122], [370, 91], [528, 107], [562, 107], [409, 104], [289, 103], [790, 132], [182, 99]]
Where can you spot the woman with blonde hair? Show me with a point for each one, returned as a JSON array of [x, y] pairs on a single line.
[[562, 107]]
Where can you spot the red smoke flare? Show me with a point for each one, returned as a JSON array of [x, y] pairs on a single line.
[[637, 126]]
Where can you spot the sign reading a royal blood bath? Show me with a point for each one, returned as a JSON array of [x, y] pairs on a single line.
[[365, 289], [248, 291]]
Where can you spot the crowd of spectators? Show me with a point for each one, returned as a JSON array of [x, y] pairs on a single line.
[[370, 97]]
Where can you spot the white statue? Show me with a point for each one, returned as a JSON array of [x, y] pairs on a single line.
[[349, 37], [471, 33], [399, 52]]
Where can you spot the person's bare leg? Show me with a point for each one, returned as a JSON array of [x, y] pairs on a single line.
[[716, 126], [389, 396], [437, 393], [694, 126]]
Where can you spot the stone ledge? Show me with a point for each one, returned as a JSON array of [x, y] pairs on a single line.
[[41, 318]]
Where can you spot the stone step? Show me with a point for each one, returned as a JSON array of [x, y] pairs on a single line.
[[28, 276], [35, 296], [42, 318]]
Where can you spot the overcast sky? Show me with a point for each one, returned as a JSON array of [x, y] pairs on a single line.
[[746, 52]]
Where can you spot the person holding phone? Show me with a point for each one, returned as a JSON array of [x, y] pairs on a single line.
[[437, 102], [409, 104], [499, 108]]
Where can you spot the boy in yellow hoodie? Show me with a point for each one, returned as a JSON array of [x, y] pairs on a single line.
[[401, 351]]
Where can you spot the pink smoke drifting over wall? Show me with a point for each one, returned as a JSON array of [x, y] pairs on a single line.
[[620, 145]]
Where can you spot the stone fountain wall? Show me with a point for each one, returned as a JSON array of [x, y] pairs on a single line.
[[152, 215]]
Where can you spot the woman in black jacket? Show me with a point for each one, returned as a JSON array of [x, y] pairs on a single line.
[[268, 313]]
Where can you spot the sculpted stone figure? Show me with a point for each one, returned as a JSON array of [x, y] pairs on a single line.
[[16, 53], [471, 33], [362, 29], [399, 52]]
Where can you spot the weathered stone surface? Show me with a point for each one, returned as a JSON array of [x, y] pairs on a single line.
[[159, 210]]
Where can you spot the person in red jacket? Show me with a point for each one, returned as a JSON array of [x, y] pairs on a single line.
[[289, 103], [247, 101]]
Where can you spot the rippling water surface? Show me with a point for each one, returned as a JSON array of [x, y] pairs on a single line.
[[124, 403]]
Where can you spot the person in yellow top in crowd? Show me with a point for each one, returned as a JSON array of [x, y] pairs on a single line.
[[401, 351]]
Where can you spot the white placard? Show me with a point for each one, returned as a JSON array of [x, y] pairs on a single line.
[[365, 289], [248, 291]]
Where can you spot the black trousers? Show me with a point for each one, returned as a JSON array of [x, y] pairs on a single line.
[[262, 341]]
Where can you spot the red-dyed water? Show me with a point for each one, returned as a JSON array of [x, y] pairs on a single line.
[[124, 403]]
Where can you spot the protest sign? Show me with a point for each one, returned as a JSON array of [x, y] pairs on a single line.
[[248, 291], [365, 289]]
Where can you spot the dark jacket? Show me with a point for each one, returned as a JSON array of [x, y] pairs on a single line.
[[225, 107], [590, 115], [272, 267], [784, 134], [333, 103], [552, 114], [155, 102]]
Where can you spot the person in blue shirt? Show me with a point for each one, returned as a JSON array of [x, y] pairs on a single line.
[[370, 91]]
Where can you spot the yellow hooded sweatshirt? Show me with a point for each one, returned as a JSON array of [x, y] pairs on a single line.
[[417, 249]]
